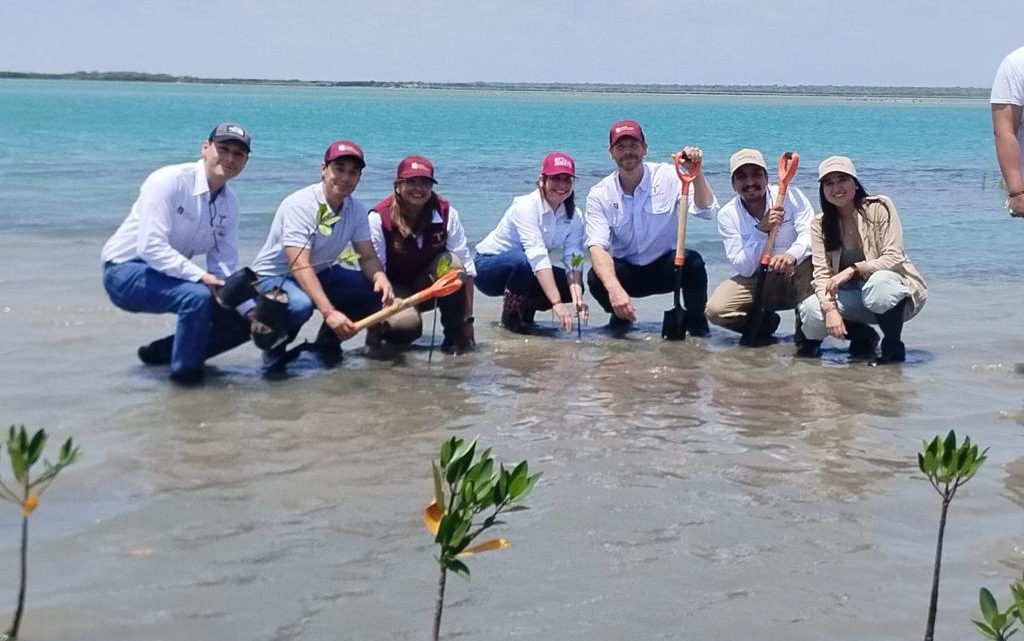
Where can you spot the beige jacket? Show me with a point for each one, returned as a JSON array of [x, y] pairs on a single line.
[[882, 236]]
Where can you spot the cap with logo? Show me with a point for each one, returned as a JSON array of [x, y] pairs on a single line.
[[231, 131], [624, 128], [415, 167], [746, 157], [344, 149], [557, 163], [836, 163]]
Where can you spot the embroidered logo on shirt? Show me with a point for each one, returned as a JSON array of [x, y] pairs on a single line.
[[181, 210]]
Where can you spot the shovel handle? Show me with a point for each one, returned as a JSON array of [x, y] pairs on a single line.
[[685, 177], [443, 286], [788, 162]]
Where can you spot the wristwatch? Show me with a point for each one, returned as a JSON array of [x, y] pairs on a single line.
[[468, 320]]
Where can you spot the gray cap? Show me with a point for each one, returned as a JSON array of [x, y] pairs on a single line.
[[231, 131]]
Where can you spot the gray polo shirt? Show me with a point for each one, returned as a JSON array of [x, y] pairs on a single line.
[[295, 223]]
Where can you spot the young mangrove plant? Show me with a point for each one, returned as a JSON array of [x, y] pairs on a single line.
[[24, 452], [470, 492], [577, 263], [996, 624], [947, 467]]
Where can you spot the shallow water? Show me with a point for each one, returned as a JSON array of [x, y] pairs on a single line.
[[691, 490]]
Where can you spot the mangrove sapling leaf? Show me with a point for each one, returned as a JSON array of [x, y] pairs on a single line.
[[947, 467], [998, 625], [444, 265]]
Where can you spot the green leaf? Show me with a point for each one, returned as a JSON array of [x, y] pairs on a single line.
[[447, 448], [989, 608], [35, 447], [516, 508], [444, 265], [985, 630], [458, 567], [438, 485], [576, 260], [920, 463]]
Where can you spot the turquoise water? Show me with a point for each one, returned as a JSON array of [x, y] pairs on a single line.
[[72, 154]]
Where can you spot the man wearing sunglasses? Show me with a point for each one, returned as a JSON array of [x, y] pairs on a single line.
[[183, 211]]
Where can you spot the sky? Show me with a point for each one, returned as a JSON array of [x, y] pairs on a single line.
[[786, 42]]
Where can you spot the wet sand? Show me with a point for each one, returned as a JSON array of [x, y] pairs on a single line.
[[691, 490]]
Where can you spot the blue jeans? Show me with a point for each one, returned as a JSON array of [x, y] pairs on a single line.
[[347, 289], [204, 327], [511, 270]]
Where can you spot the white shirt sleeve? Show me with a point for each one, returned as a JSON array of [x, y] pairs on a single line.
[[707, 213], [744, 254], [377, 238], [573, 245], [456, 242], [803, 214], [156, 216], [527, 223], [1008, 86], [597, 230]]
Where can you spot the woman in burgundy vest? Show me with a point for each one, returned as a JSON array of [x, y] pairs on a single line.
[[415, 232]]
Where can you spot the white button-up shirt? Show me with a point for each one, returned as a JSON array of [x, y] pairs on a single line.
[[455, 242], [744, 242], [639, 228], [531, 225], [295, 225], [173, 220]]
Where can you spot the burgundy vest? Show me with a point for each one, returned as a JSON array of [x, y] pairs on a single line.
[[406, 260]]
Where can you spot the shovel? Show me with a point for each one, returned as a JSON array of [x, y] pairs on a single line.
[[673, 325], [788, 163], [443, 286]]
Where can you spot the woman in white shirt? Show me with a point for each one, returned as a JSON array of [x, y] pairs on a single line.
[[514, 260]]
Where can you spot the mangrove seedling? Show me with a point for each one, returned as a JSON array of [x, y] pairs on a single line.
[[947, 467], [443, 266], [996, 624], [464, 491], [576, 262], [24, 452]]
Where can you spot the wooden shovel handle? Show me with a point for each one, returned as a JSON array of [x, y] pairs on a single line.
[[685, 177], [788, 162], [443, 286]]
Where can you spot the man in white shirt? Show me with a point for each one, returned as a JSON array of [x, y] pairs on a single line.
[[630, 231], [744, 223], [183, 211], [1007, 101], [306, 260]]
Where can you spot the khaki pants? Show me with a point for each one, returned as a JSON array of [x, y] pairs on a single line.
[[728, 305]]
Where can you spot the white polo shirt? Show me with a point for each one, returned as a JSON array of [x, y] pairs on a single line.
[[639, 228], [531, 225], [744, 242], [1008, 88], [455, 242], [295, 225], [173, 220]]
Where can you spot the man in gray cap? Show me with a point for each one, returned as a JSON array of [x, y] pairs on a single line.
[[1007, 104], [183, 211], [744, 223]]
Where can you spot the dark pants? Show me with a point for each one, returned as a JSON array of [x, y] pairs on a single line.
[[657, 278], [511, 270]]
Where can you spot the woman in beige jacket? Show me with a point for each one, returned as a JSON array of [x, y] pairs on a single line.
[[862, 275]]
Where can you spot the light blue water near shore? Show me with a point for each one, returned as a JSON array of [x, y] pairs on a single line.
[[72, 154], [683, 482]]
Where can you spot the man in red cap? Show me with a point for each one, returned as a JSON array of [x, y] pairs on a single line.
[[631, 222], [307, 259]]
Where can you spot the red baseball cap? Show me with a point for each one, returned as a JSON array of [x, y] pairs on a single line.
[[624, 128], [342, 149], [415, 167], [557, 163]]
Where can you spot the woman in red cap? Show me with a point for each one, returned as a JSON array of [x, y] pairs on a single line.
[[513, 261], [414, 230]]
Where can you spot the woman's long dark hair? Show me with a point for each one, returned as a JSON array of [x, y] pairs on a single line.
[[830, 220], [569, 202], [405, 227]]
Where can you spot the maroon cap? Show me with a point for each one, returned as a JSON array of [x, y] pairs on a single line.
[[557, 163], [624, 128], [342, 149], [415, 167]]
